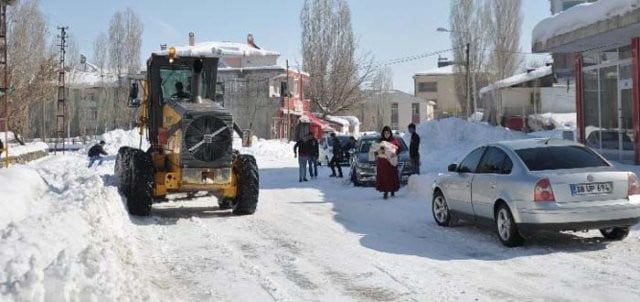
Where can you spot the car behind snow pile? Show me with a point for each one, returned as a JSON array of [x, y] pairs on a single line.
[[363, 171], [526, 186]]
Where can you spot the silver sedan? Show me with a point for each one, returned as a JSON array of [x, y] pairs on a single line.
[[526, 186]]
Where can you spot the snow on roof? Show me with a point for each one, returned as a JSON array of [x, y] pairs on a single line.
[[353, 120], [268, 67], [581, 16], [78, 79], [338, 120], [218, 49], [449, 69], [518, 79]]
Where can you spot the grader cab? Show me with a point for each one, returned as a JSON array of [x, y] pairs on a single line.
[[190, 136]]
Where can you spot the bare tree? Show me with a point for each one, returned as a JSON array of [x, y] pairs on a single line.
[[72, 58], [470, 21], [125, 41], [382, 85], [504, 57], [100, 45], [329, 56], [32, 64]]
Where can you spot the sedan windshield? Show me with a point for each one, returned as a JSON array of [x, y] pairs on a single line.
[[558, 158]]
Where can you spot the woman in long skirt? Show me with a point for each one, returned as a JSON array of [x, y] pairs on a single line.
[[387, 176]]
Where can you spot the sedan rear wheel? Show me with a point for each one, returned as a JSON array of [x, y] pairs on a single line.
[[440, 210], [507, 227], [617, 233]]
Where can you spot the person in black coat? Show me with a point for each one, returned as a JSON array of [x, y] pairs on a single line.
[[337, 156], [313, 158], [96, 152], [414, 148]]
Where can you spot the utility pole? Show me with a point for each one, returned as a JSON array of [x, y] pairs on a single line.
[[468, 65], [286, 99], [61, 108], [4, 79]]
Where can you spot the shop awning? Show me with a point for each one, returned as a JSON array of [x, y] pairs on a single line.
[[588, 26]]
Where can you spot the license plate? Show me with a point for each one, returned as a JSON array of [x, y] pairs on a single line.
[[592, 188]]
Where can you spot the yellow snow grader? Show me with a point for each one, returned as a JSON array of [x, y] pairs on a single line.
[[190, 137]]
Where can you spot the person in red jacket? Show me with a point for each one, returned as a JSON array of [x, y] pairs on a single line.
[[387, 176]]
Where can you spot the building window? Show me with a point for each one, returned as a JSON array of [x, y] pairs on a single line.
[[428, 87], [415, 113], [607, 103], [394, 116]]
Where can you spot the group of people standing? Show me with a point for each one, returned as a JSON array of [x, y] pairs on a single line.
[[386, 158], [307, 151]]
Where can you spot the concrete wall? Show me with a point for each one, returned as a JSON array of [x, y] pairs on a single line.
[[445, 98], [519, 100], [375, 112], [558, 100]]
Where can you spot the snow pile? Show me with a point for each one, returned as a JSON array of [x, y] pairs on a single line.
[[581, 16], [17, 149], [20, 192], [518, 79], [270, 149], [447, 141], [68, 236], [120, 138]]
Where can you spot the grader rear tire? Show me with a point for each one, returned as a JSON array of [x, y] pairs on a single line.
[[140, 173], [122, 161], [248, 185]]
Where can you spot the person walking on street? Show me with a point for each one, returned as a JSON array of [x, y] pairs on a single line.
[[387, 176], [351, 145], [302, 150], [315, 153], [337, 156], [96, 152], [414, 149]]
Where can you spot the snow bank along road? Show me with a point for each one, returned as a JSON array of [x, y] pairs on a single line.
[[71, 239]]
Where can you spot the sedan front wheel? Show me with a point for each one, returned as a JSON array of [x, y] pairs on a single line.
[[440, 210]]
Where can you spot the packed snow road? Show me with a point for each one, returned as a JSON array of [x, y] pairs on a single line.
[[322, 240]]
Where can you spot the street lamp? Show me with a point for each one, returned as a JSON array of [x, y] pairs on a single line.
[[467, 66]]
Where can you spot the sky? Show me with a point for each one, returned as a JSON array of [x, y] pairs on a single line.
[[386, 30]]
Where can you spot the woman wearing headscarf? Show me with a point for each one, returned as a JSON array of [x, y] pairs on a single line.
[[387, 176]]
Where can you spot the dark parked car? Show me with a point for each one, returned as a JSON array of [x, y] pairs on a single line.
[[363, 171]]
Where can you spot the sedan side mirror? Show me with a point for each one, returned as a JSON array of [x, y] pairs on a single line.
[[453, 168]]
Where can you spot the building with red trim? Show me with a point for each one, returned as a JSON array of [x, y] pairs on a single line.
[[604, 39]]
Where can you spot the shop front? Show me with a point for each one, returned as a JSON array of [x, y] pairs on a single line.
[[607, 72]]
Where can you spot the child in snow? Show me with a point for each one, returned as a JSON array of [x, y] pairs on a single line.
[[96, 152], [387, 176]]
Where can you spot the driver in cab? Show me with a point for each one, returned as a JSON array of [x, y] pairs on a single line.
[[180, 94]]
